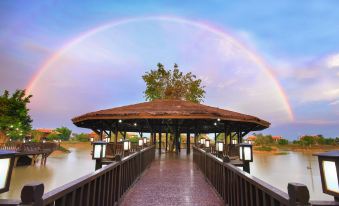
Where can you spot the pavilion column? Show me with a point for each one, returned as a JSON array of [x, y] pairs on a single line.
[[116, 133], [195, 138], [177, 143], [154, 138], [166, 144], [101, 134], [239, 137], [188, 142], [124, 135], [159, 142], [215, 138]]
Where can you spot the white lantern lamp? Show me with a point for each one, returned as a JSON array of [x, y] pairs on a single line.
[[234, 141], [246, 155], [207, 143], [329, 168], [202, 141], [91, 139], [145, 140], [99, 150], [127, 145], [6, 168], [219, 146], [140, 142]]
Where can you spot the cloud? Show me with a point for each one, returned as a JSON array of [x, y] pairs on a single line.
[[335, 102], [333, 61]]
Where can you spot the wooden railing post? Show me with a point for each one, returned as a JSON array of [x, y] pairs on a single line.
[[298, 194], [31, 194]]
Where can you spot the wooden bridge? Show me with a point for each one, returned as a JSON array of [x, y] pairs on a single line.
[[146, 177], [29, 153]]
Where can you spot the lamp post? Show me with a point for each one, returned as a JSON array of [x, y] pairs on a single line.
[[207, 145], [234, 141], [202, 141], [219, 147], [127, 146], [329, 167], [246, 155], [99, 152], [141, 143], [6, 168], [145, 140]]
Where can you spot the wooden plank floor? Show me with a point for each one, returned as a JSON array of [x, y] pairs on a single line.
[[172, 180]]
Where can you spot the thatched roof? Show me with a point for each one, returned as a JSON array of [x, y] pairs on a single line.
[[174, 110]]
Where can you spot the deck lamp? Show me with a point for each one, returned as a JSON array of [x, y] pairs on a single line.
[[107, 139], [6, 168], [329, 167], [127, 145], [44, 141], [91, 139], [219, 146], [202, 141], [207, 143], [145, 140], [99, 152], [234, 141], [141, 142], [246, 155]]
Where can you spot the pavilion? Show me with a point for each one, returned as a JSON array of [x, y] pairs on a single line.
[[170, 116]]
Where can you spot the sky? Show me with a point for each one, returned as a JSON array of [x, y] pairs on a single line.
[[275, 60]]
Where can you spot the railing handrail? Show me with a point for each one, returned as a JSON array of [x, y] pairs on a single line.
[[269, 189], [59, 192]]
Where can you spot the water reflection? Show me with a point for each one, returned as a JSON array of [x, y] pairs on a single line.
[[57, 172], [278, 170]]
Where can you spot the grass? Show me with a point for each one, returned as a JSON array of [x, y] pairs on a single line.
[[263, 148], [63, 149]]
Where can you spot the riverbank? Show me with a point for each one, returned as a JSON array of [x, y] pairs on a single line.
[[66, 147], [284, 149]]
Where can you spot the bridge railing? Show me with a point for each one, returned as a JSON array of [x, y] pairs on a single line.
[[103, 187], [238, 188]]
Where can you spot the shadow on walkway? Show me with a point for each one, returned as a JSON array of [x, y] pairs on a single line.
[[172, 180]]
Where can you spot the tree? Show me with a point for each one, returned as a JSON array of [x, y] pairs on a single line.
[[15, 121], [82, 137], [64, 133], [172, 84]]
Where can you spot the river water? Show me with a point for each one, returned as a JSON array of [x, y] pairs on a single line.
[[276, 170]]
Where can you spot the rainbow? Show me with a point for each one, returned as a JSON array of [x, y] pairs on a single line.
[[252, 55]]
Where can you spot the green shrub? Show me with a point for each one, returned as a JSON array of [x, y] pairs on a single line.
[[264, 148], [282, 141], [82, 137], [52, 137]]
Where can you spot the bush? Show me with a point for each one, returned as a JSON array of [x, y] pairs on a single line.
[[264, 148], [282, 141], [263, 139], [52, 137], [134, 139], [82, 137]]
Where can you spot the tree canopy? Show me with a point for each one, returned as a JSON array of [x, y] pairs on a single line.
[[64, 133], [15, 121], [172, 84]]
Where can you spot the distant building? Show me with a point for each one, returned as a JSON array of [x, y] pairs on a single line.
[[94, 135], [42, 133], [251, 139], [277, 138]]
